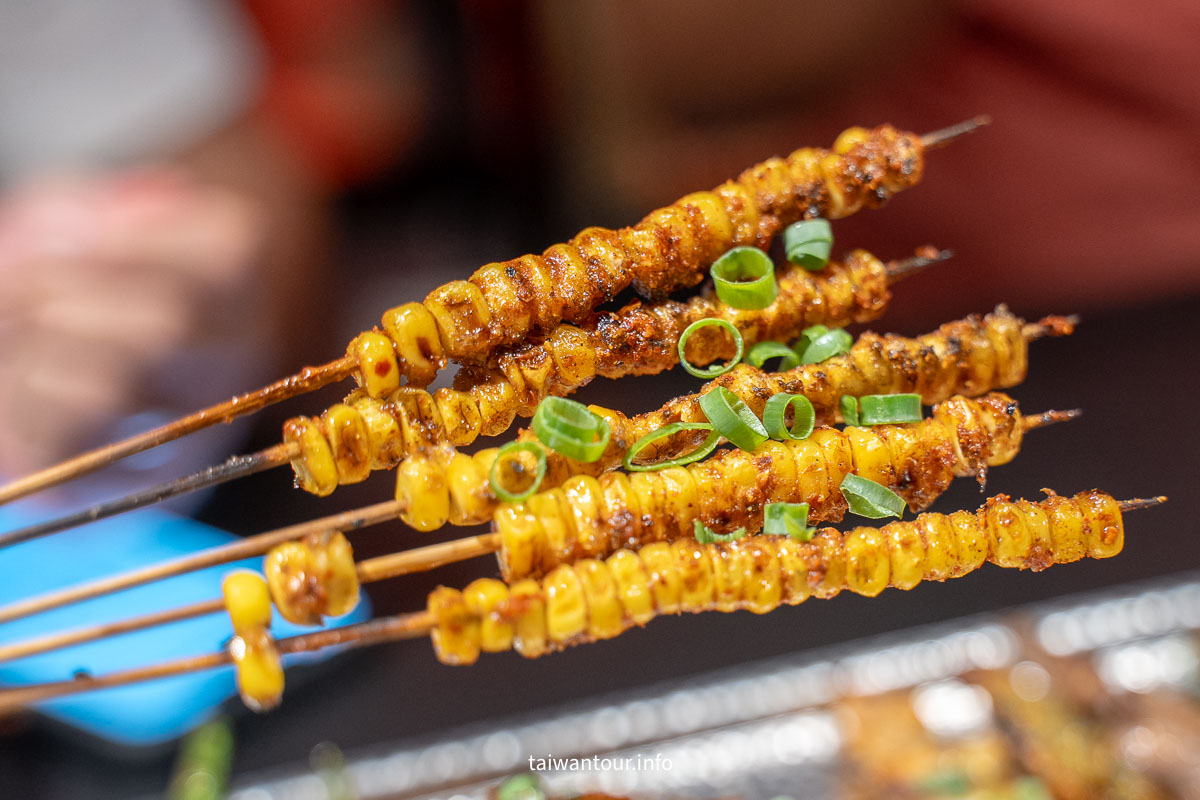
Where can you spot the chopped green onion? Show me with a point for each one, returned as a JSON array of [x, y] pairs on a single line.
[[568, 427], [540, 472], [870, 499], [804, 416], [705, 535], [826, 346], [720, 369], [732, 418], [806, 338], [889, 409], [521, 787], [787, 519], [700, 452], [849, 407], [808, 243], [745, 278], [764, 351]]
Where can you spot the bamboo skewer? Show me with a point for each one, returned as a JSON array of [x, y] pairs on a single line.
[[307, 380], [388, 566], [402, 626]]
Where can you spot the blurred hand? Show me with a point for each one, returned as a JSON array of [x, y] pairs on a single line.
[[104, 278]]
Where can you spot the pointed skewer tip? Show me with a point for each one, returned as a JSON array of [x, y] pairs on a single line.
[[897, 270], [944, 136], [1051, 418], [1138, 503]]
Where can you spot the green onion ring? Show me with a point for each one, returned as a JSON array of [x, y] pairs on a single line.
[[787, 519], [705, 535], [804, 416], [806, 338], [849, 407], [531, 447], [568, 427], [763, 351], [889, 409], [870, 499], [700, 452], [826, 346], [732, 418], [720, 369], [745, 278], [808, 243]]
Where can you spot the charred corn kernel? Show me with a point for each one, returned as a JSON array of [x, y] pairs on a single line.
[[335, 560], [247, 600], [316, 472], [872, 457], [487, 598], [1011, 540], [312, 578], [421, 487], [574, 355], [566, 605], [258, 669], [527, 608], [941, 550], [462, 317], [868, 570], [1102, 517], [460, 415], [971, 542], [605, 615], [763, 583], [666, 585], [793, 569], [466, 487], [633, 586], [349, 441], [455, 633], [548, 508], [729, 567], [681, 492], [697, 583], [385, 443], [1041, 552], [521, 534], [421, 425], [906, 554], [828, 574], [1067, 530], [622, 514], [497, 402], [584, 499], [378, 370], [414, 331], [850, 138]]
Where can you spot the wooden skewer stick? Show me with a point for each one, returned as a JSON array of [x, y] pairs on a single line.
[[278, 455], [235, 467], [384, 629], [405, 562], [246, 548], [943, 137], [307, 380]]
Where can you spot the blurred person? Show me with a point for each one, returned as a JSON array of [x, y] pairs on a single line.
[[166, 168]]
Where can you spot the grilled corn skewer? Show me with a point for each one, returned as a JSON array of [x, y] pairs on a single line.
[[593, 599], [591, 517], [503, 303]]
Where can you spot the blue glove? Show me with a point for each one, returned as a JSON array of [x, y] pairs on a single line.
[[147, 713]]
